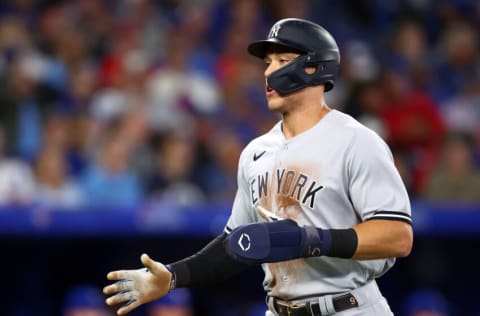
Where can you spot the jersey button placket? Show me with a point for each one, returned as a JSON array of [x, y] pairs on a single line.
[[279, 157]]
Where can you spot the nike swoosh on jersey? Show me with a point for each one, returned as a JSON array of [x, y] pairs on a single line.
[[256, 157]]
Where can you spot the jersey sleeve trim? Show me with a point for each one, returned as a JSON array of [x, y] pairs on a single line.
[[399, 216], [227, 230]]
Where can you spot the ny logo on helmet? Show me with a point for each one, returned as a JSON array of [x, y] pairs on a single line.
[[274, 30]]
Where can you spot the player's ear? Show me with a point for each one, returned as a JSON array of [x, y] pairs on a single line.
[[310, 70]]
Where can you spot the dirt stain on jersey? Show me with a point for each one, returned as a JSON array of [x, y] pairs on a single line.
[[288, 208], [289, 186], [284, 274], [286, 205], [274, 271]]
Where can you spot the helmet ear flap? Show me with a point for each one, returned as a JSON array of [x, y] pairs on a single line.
[[326, 73]]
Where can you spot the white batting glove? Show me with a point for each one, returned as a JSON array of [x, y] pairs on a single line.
[[136, 287], [267, 215]]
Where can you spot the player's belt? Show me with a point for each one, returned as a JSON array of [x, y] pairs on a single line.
[[312, 308]]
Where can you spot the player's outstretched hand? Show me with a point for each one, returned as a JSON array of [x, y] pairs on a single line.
[[136, 287], [267, 215]]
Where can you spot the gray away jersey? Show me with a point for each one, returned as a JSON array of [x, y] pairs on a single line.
[[334, 175]]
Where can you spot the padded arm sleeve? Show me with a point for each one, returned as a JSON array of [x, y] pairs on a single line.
[[210, 265], [284, 240]]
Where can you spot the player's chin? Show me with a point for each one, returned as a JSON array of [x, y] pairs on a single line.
[[274, 109], [275, 104]]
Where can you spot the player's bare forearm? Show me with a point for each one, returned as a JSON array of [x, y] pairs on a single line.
[[383, 239]]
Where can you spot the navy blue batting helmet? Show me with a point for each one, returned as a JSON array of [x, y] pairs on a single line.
[[318, 48]]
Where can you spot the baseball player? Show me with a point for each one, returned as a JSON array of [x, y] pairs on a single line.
[[319, 204]]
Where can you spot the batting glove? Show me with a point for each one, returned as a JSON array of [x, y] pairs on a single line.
[[136, 287]]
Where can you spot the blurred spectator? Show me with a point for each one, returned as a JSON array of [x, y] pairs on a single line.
[[366, 105], [134, 130], [410, 49], [237, 34], [413, 123], [240, 77], [459, 62], [63, 131], [14, 37], [177, 303], [24, 105], [172, 179], [108, 104], [109, 182], [456, 179], [176, 93], [97, 21], [128, 115], [54, 188], [410, 43], [358, 62], [85, 300], [411, 117], [403, 165], [426, 302], [124, 67], [81, 88], [149, 22], [462, 112], [219, 175], [194, 20], [17, 185]]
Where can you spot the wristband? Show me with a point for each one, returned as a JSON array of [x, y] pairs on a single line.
[[344, 243], [173, 279]]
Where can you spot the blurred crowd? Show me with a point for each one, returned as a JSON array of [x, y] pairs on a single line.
[[87, 300], [112, 104]]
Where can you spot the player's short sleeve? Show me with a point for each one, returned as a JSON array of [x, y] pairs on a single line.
[[242, 208], [376, 189]]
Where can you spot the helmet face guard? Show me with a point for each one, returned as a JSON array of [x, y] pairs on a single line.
[[293, 76], [318, 49]]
